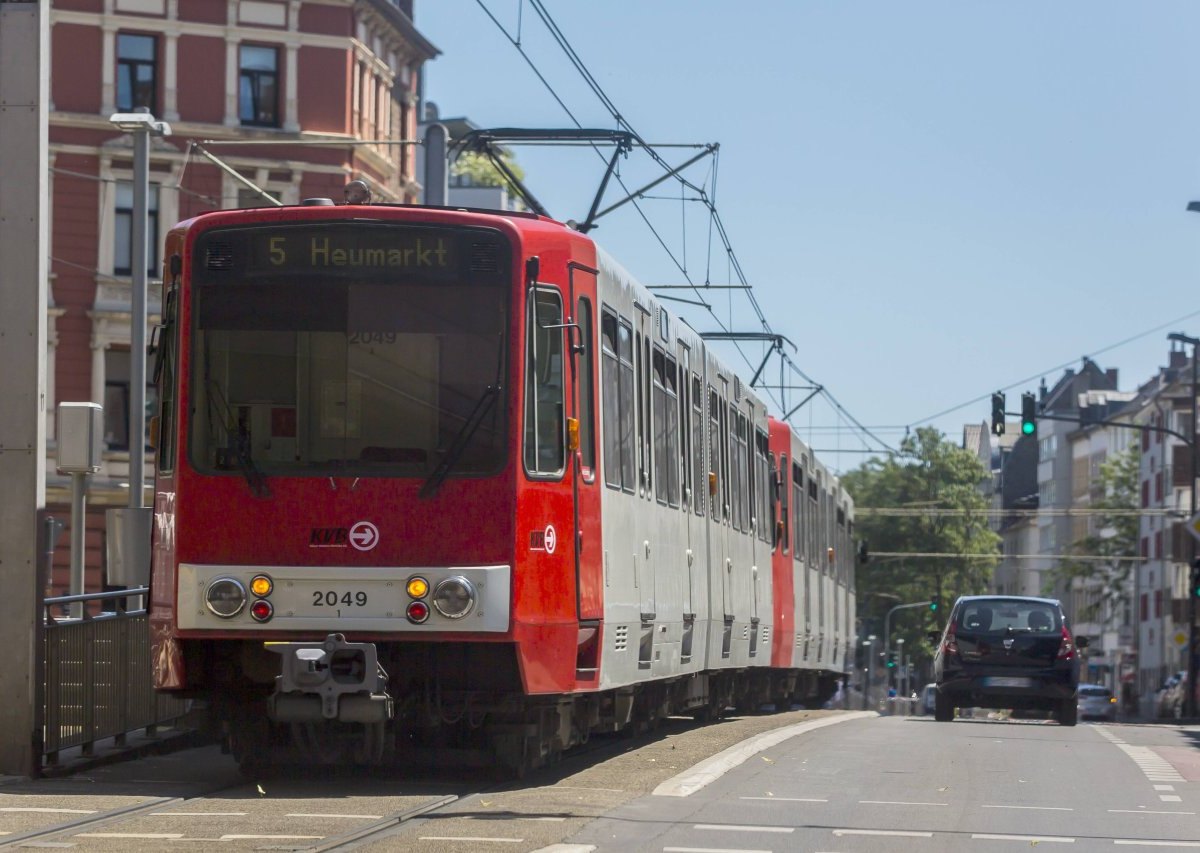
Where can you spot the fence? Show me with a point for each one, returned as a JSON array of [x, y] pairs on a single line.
[[98, 674]]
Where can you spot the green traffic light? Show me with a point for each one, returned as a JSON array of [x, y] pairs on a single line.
[[933, 606], [1028, 427]]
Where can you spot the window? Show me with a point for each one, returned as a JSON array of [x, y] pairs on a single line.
[[700, 488], [662, 458], [164, 376], [715, 456], [136, 79], [797, 511], [616, 349], [116, 401], [737, 434], [123, 221], [545, 447], [671, 374], [763, 491], [1145, 606], [587, 367], [258, 96]]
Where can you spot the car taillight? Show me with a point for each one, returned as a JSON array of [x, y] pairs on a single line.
[[1066, 649], [949, 645]]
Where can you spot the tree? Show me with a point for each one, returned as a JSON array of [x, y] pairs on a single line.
[[929, 473], [480, 171], [1114, 538]]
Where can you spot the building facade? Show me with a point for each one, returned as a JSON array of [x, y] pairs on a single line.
[[298, 97]]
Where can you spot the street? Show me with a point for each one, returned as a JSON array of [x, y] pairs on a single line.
[[855, 783]]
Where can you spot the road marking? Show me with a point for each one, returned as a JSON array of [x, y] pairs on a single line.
[[48, 811], [1054, 839], [349, 816], [197, 814], [1033, 808], [1164, 787], [472, 838], [694, 778], [1170, 798], [897, 832], [1136, 842], [710, 850], [269, 837], [787, 799], [1143, 811], [896, 803], [165, 836], [734, 827]]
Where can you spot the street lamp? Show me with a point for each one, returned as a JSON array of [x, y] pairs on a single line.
[[135, 528], [1190, 694], [869, 646]]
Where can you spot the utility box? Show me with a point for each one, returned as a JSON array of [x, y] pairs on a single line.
[[80, 435]]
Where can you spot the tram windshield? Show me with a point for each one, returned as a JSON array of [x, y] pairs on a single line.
[[349, 349]]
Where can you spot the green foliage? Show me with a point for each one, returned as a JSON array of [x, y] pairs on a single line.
[[479, 169], [1115, 538], [929, 473]]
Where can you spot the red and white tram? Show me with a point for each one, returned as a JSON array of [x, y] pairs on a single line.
[[454, 479]]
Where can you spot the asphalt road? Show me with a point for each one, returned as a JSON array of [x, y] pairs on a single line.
[[858, 783]]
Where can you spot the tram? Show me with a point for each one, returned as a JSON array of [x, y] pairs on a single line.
[[445, 479]]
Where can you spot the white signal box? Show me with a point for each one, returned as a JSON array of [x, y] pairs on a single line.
[[80, 434]]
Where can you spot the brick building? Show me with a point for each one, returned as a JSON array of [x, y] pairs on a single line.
[[298, 96]]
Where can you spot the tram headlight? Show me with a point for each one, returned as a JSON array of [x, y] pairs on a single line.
[[225, 597], [454, 597]]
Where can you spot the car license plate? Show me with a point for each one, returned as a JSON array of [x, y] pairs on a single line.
[[1005, 681]]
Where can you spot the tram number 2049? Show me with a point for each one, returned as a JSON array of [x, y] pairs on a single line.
[[333, 598]]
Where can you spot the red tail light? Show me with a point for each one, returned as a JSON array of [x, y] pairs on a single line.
[[949, 644], [1066, 649]]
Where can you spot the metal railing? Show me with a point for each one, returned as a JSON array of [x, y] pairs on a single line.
[[98, 678]]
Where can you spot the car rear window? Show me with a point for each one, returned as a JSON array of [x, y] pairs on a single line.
[[999, 615], [1093, 690]]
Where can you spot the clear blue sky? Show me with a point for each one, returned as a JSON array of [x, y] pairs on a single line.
[[933, 200]]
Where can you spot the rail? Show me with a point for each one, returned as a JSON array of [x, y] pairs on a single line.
[[98, 679]]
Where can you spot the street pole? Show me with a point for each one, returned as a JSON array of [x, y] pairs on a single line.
[[887, 621], [1190, 695]]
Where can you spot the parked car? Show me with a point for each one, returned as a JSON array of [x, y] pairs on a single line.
[[1096, 702], [1008, 652]]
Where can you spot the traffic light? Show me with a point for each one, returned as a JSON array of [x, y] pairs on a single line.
[[934, 604], [997, 414], [891, 660], [1028, 414], [1196, 578]]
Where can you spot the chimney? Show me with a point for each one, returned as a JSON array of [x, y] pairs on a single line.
[[1178, 358], [1111, 376]]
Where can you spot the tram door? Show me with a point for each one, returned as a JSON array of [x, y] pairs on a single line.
[[589, 553]]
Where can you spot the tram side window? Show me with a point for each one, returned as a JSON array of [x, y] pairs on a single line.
[[684, 423], [813, 529], [700, 488], [841, 544], [165, 378], [763, 487], [545, 449], [610, 399], [737, 429], [797, 512], [659, 403], [628, 434], [714, 452], [672, 407], [587, 370]]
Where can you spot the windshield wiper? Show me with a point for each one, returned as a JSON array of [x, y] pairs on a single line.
[[459, 444]]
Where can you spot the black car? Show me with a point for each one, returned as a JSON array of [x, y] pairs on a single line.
[[1003, 651]]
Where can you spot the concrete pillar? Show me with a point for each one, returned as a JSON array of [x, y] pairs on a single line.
[[25, 91], [170, 77], [231, 82], [291, 101]]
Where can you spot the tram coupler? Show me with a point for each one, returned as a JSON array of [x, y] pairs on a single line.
[[329, 680]]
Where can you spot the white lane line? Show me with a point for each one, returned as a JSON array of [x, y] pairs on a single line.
[[896, 803], [1170, 798], [47, 811], [1039, 839], [1164, 787], [1033, 808], [1133, 842], [269, 837], [710, 850], [733, 827], [1143, 811], [897, 832], [163, 836], [198, 814], [788, 799], [349, 816], [696, 777], [472, 838]]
